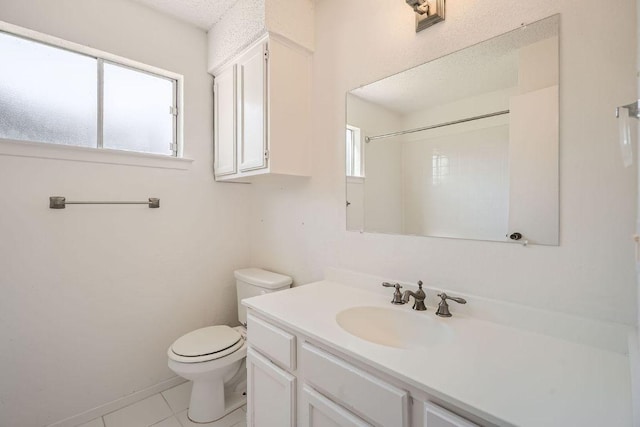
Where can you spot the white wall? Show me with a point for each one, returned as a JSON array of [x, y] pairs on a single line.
[[299, 226], [92, 296]]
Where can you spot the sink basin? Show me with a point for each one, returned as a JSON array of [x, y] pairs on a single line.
[[394, 327]]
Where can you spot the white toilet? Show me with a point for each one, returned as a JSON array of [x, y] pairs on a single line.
[[213, 357]]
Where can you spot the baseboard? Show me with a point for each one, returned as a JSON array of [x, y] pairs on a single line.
[[107, 408]]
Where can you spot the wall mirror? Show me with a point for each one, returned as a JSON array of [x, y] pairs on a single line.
[[464, 146]]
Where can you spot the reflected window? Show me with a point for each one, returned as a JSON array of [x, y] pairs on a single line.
[[355, 152], [439, 167], [53, 95]]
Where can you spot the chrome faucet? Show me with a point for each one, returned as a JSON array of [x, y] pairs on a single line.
[[443, 307], [418, 297], [397, 296]]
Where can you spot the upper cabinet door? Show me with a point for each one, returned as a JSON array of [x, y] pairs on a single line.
[[252, 109], [224, 110]]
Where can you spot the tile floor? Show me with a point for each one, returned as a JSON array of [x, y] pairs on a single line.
[[166, 409]]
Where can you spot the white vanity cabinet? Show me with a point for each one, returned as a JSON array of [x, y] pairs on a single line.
[[435, 416], [354, 388], [270, 393], [262, 111], [294, 381], [319, 411], [271, 386]]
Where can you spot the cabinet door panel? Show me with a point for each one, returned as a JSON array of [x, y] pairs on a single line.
[[224, 116], [252, 109], [273, 342], [322, 412], [435, 416], [270, 393], [355, 389]]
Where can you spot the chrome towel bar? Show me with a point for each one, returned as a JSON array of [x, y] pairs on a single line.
[[59, 202]]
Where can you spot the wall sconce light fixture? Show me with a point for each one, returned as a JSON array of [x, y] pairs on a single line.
[[428, 12]]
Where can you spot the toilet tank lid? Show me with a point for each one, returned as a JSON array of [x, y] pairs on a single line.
[[263, 278]]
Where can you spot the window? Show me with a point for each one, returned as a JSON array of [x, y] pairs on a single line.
[[355, 152], [73, 95]]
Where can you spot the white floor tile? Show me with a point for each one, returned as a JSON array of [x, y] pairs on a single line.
[[169, 422], [237, 416], [178, 397], [93, 423], [142, 414]]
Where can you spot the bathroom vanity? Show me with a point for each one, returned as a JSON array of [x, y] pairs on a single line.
[[327, 354]]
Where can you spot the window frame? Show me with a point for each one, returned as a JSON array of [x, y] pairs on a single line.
[[101, 58], [357, 136]]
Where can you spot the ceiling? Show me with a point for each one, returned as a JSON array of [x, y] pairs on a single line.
[[201, 13]]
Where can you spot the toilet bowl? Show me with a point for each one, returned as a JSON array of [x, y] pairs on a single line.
[[213, 357], [210, 357]]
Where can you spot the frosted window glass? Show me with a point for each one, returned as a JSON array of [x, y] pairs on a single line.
[[47, 94], [136, 111]]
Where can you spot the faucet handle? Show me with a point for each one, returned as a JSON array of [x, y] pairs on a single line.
[[392, 285], [397, 296], [443, 307], [456, 299]]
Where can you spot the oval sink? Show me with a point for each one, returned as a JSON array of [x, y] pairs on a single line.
[[394, 328]]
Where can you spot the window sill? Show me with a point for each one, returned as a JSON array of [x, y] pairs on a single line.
[[40, 150]]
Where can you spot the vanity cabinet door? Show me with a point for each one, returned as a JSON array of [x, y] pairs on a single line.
[[435, 416], [270, 393], [224, 117], [322, 412], [373, 399], [252, 108]]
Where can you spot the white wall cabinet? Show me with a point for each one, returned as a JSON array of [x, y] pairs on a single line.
[[330, 390], [270, 393], [262, 111]]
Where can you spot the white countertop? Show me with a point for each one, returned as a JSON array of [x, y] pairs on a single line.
[[504, 375]]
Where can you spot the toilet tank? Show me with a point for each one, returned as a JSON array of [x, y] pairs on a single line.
[[251, 282]]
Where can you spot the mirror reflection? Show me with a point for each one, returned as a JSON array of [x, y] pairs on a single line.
[[465, 146]]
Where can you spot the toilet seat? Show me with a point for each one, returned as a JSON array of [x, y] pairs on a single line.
[[205, 344]]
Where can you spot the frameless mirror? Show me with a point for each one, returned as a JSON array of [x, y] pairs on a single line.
[[465, 146]]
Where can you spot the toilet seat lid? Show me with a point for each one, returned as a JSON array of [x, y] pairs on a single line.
[[204, 341]]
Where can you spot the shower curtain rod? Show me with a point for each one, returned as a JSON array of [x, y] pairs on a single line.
[[455, 122]]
